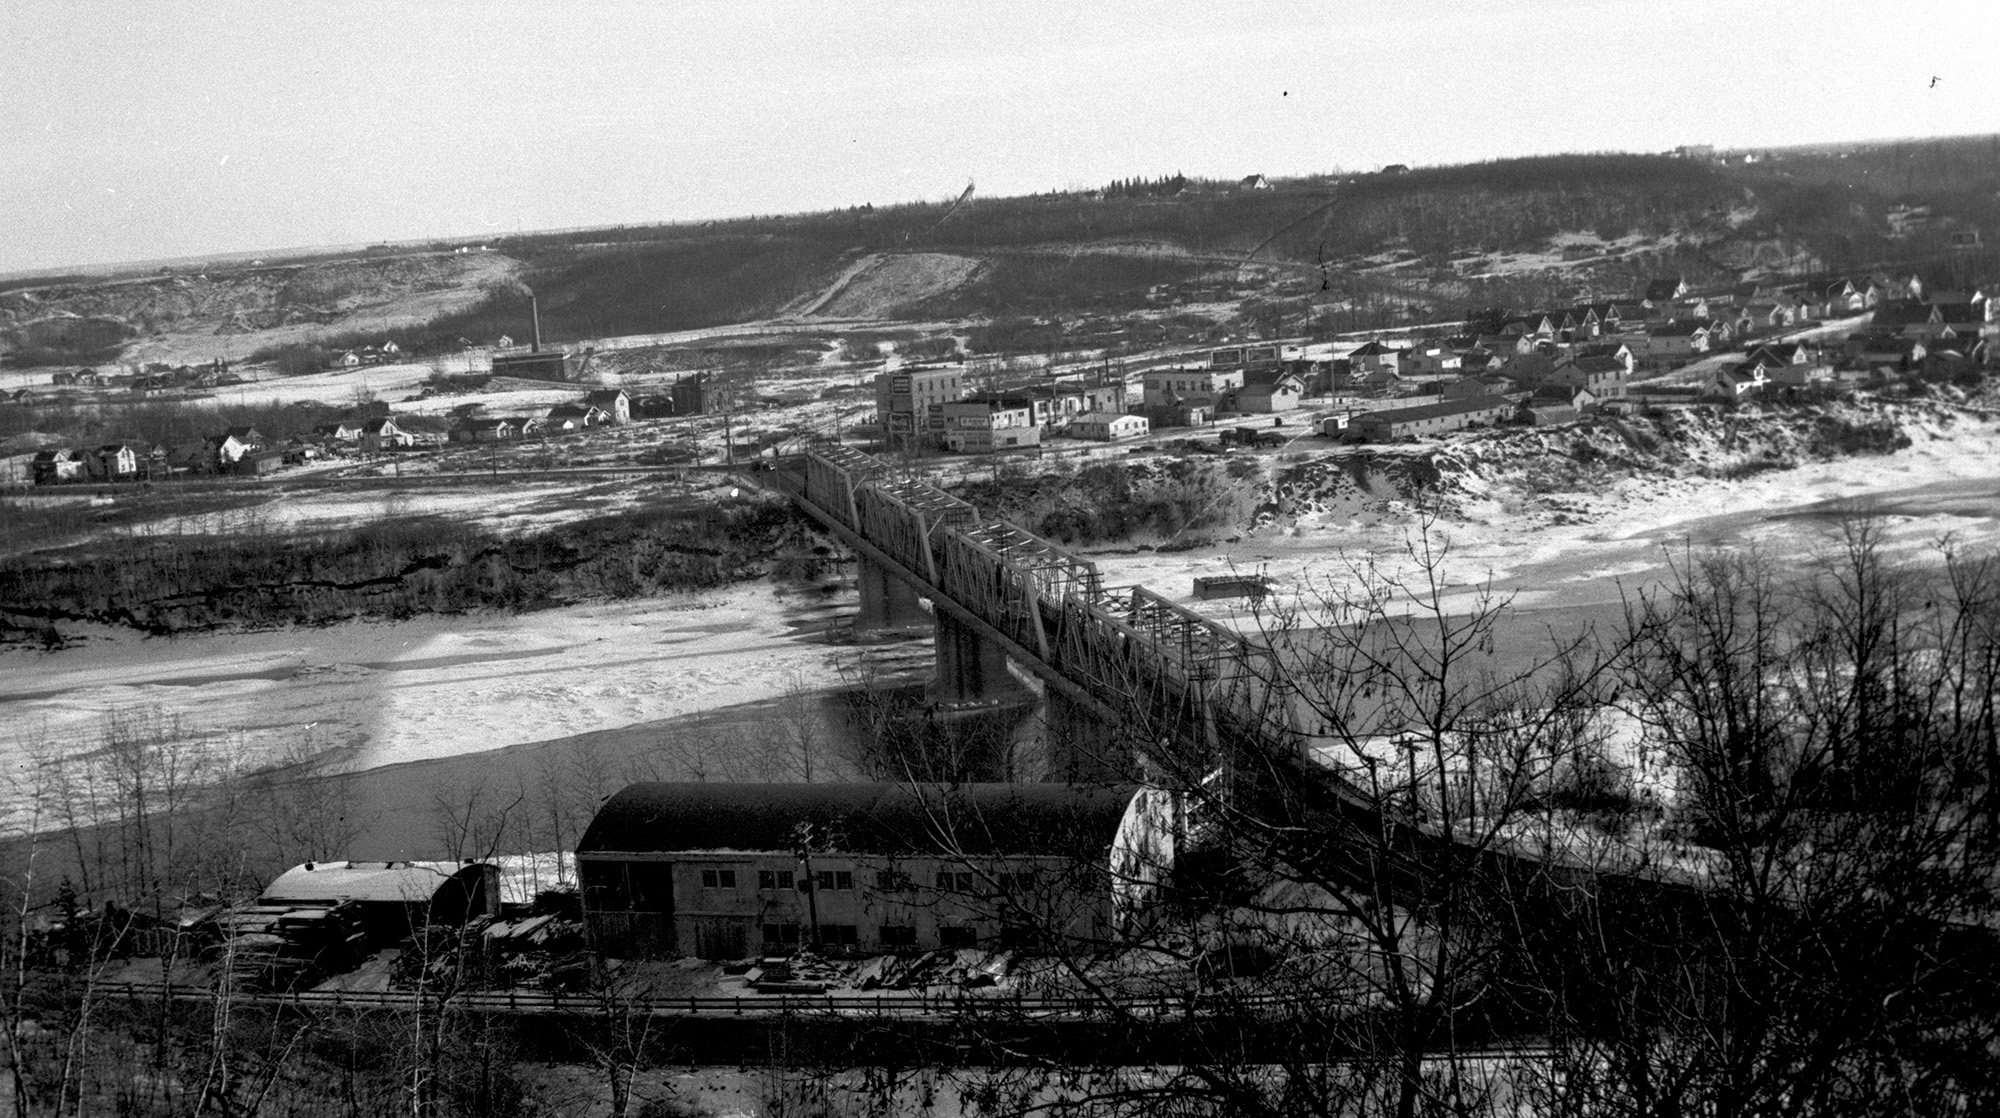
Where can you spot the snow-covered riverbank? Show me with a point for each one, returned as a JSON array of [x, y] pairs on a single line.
[[1586, 549]]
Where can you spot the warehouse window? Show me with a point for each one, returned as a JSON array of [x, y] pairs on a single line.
[[774, 879], [838, 935], [957, 935], [954, 882], [834, 879], [899, 935], [718, 879], [780, 935]]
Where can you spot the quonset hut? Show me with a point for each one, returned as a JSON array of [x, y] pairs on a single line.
[[724, 871], [391, 899]]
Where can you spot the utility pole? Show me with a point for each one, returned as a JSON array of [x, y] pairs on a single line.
[[803, 837]]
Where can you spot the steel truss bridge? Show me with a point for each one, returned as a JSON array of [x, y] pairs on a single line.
[[1214, 710], [1113, 659]]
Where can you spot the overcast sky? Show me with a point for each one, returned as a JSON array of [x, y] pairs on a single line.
[[136, 130]]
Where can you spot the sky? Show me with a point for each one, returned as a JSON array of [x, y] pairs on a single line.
[[137, 130]]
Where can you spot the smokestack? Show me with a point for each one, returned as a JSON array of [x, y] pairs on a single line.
[[535, 309]]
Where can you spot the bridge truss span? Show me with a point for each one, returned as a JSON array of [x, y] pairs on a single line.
[[1147, 666]]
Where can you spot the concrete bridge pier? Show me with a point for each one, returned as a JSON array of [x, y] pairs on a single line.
[[887, 602], [970, 668], [1080, 745]]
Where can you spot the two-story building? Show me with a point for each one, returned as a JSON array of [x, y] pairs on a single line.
[[724, 871], [1201, 386], [984, 424], [1605, 378], [903, 397], [1430, 358], [1276, 391], [1677, 339]]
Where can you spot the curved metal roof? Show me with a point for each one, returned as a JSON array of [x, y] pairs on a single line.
[[403, 882], [900, 819]]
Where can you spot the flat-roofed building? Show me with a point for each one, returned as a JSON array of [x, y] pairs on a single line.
[[903, 397], [1103, 426], [984, 424]]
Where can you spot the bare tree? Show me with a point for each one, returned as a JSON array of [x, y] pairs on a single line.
[[1832, 952]]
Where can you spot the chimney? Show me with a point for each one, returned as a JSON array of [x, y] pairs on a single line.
[[535, 309]]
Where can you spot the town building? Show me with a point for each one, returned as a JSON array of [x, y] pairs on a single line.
[[483, 430], [1430, 359], [613, 402], [1207, 387], [1605, 377], [982, 425], [1481, 385], [1677, 339], [1374, 357], [689, 394], [1548, 407], [1104, 426], [115, 462], [1270, 393], [903, 397], [1390, 424], [726, 871], [53, 467], [535, 363], [378, 435]]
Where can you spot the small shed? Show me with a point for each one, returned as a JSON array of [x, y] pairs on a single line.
[[1210, 587], [392, 897]]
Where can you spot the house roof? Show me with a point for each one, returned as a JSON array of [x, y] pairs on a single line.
[[571, 411], [905, 819], [1595, 365], [1271, 386], [334, 882], [1434, 411], [243, 434], [1664, 288], [377, 426], [1372, 349], [1686, 328], [606, 396]]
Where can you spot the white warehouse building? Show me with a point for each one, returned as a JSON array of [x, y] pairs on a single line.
[[1104, 426]]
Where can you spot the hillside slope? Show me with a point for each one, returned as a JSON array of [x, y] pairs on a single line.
[[1352, 252]]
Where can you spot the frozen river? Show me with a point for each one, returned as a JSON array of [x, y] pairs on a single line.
[[369, 696]]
